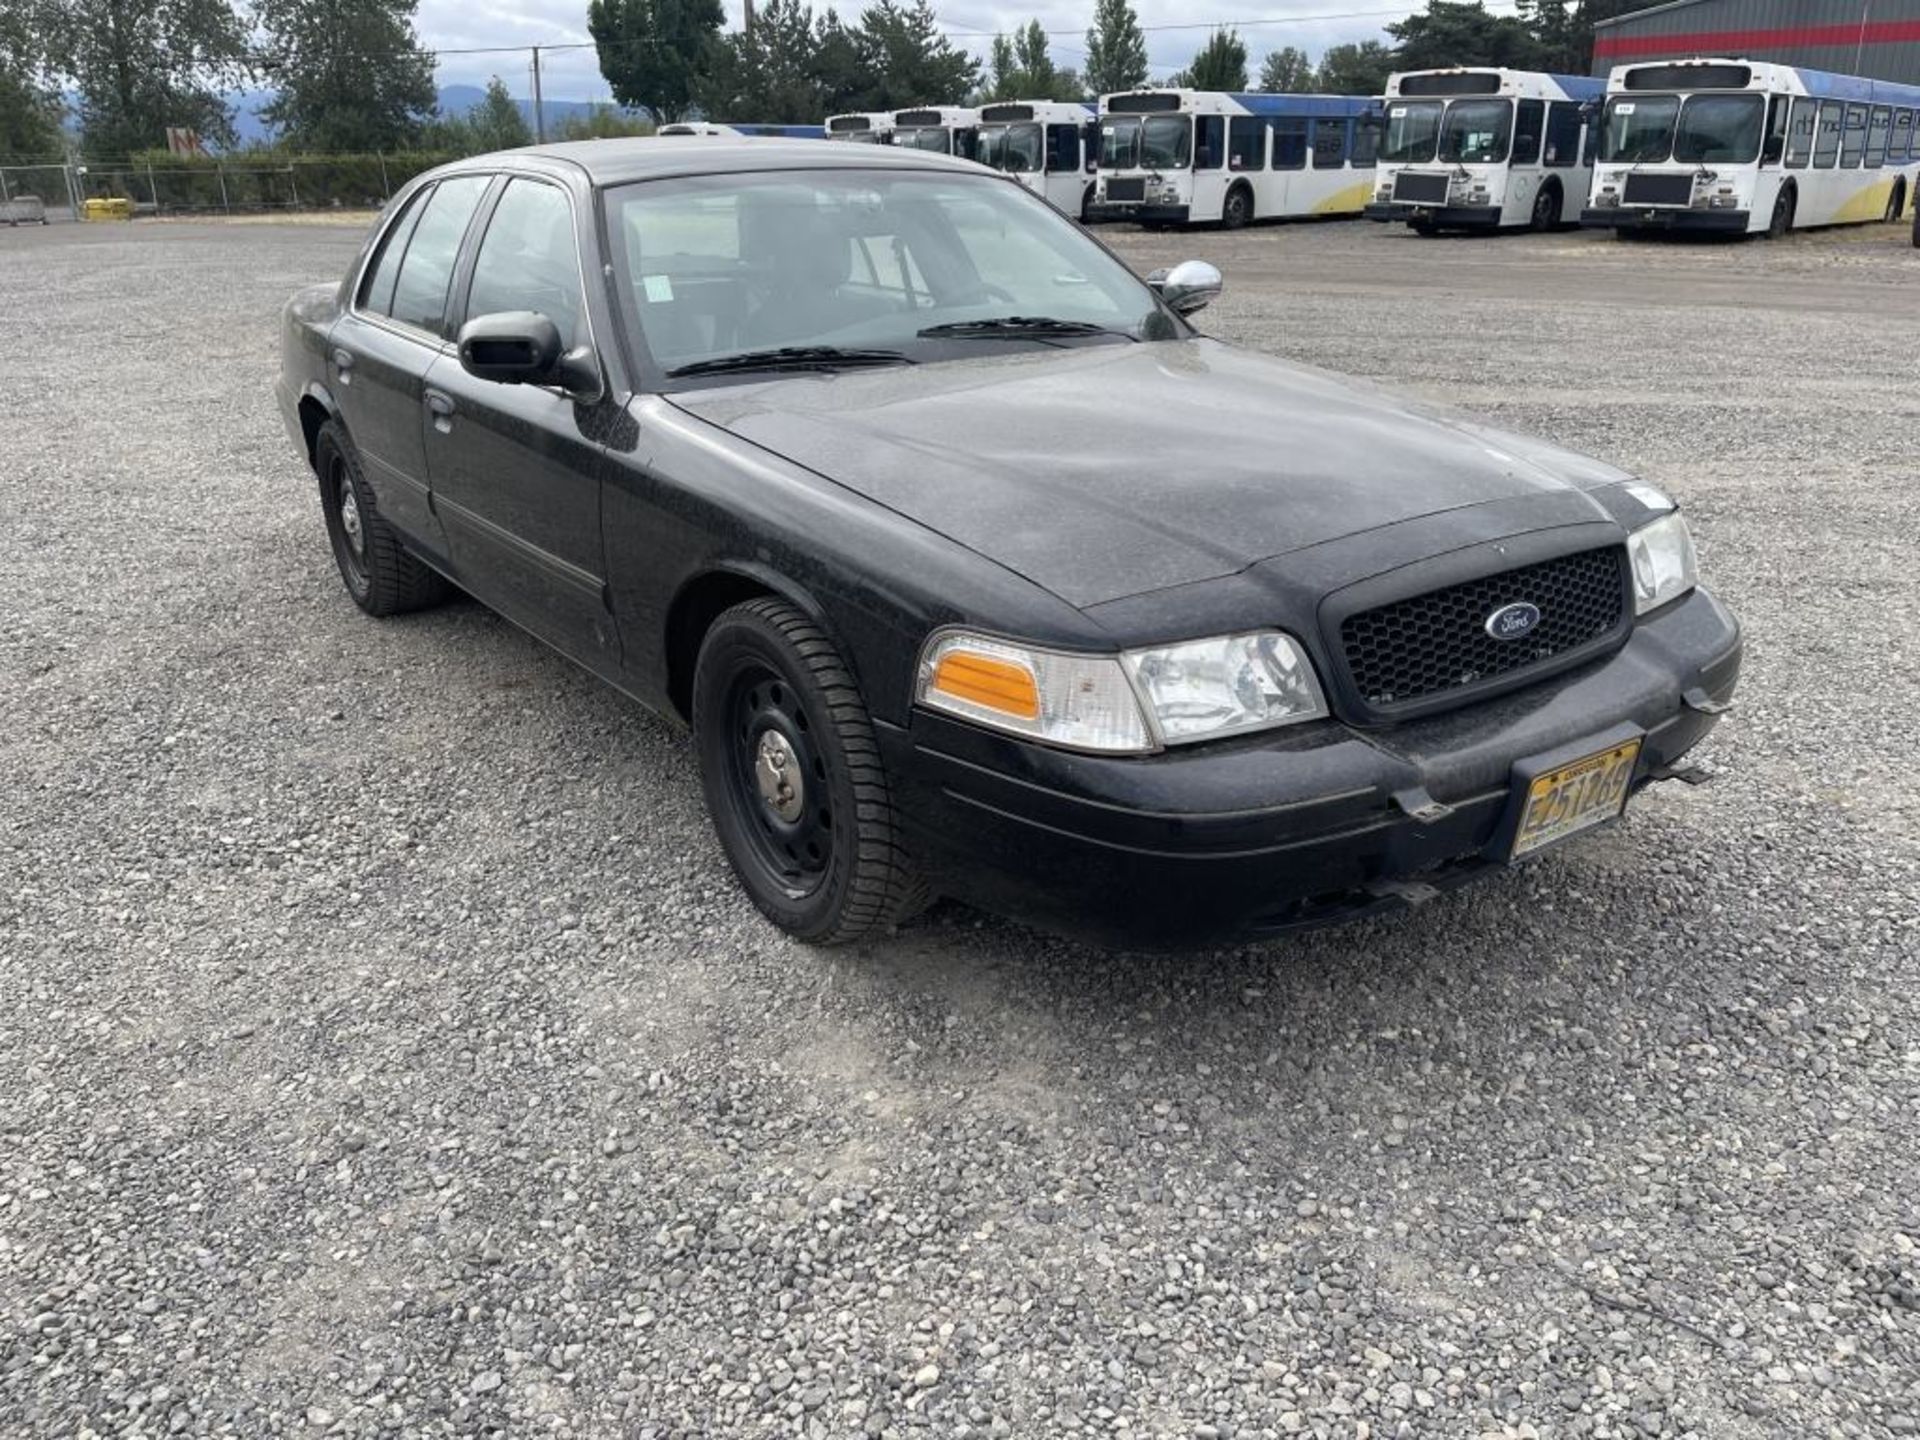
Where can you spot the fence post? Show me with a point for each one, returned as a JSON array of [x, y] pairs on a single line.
[[153, 188], [293, 185], [386, 186], [5, 199]]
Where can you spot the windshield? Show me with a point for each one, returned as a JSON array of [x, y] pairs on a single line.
[[1120, 145], [1639, 130], [1016, 149], [1720, 129], [929, 137], [717, 265], [1166, 142], [1476, 132], [1412, 131]]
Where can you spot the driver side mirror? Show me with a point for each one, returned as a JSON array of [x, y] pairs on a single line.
[[1771, 152], [521, 347], [1189, 286]]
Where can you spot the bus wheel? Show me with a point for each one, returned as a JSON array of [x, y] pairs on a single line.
[[1782, 220], [1546, 208], [1425, 229], [1238, 210], [1896, 202]]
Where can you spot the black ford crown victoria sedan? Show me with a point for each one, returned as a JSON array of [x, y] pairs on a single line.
[[972, 567]]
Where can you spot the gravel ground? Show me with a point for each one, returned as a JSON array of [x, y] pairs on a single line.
[[383, 1048]]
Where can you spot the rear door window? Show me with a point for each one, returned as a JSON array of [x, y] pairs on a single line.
[[376, 291], [420, 296]]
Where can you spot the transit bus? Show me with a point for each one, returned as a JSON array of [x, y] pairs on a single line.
[[864, 128], [1182, 157], [1743, 147], [943, 129], [1484, 149], [784, 132], [1049, 146]]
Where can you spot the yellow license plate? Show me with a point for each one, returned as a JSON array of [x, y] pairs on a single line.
[[1575, 797]]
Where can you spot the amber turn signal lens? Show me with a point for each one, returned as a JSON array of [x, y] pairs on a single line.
[[988, 681]]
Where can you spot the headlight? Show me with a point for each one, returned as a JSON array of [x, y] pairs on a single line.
[[1664, 567], [1127, 704]]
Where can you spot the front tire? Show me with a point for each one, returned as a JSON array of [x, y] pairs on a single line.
[[1237, 210], [793, 778], [1546, 210], [1782, 219], [379, 573]]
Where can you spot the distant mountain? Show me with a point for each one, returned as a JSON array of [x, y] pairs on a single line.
[[454, 100]]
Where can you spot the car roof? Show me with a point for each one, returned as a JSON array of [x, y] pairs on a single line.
[[651, 157]]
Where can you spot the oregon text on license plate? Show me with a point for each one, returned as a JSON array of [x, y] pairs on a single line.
[[1575, 797]]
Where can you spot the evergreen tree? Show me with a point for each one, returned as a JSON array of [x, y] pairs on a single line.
[[1036, 66], [654, 52], [351, 75], [30, 107], [773, 75], [1454, 33], [1116, 49], [840, 68], [1355, 69], [1286, 71], [140, 66], [496, 122], [1220, 65], [911, 61]]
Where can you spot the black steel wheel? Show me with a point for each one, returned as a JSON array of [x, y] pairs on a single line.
[[793, 778], [1546, 209], [1238, 209], [1782, 218], [379, 573]]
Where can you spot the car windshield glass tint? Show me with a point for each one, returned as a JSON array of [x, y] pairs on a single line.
[[716, 265], [1639, 131], [1476, 132], [1719, 129], [1166, 142], [1120, 145], [1412, 132]]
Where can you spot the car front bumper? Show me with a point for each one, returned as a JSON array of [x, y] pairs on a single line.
[[1705, 222], [1290, 829], [1457, 217]]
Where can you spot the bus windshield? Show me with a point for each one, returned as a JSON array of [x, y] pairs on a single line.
[[1166, 142], [1120, 145], [1476, 132], [1719, 129], [1639, 130], [929, 137], [1412, 132]]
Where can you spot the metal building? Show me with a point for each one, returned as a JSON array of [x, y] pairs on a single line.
[[1876, 38]]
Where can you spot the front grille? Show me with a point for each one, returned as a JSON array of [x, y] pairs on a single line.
[[1122, 192], [1415, 189], [1414, 649], [1659, 189]]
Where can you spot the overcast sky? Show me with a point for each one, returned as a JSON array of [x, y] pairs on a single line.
[[574, 75]]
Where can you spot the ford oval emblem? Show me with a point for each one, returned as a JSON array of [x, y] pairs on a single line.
[[1510, 622]]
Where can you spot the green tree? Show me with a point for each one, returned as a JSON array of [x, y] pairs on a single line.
[[1455, 33], [30, 107], [911, 61], [840, 66], [653, 52], [772, 75], [1021, 69], [1116, 49], [496, 122], [1355, 69], [1037, 70], [602, 122], [139, 66], [1220, 65], [1563, 29], [1286, 71], [350, 74]]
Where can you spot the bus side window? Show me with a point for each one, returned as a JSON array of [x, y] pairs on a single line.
[[1329, 144], [1209, 134], [1246, 143], [1563, 134], [1853, 140], [1091, 145], [1800, 133], [1877, 131], [1526, 132], [1827, 150], [1897, 148], [1289, 144], [1366, 145], [1063, 148]]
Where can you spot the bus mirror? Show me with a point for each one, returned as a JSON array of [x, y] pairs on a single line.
[[1372, 120], [1189, 286], [1776, 147]]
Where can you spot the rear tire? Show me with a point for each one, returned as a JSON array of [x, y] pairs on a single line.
[[1896, 203], [1238, 208], [379, 573], [793, 779], [1782, 221]]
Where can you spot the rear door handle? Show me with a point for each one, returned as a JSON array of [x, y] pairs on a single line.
[[441, 404]]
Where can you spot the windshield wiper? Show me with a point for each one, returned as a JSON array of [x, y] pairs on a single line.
[[1015, 327], [790, 357]]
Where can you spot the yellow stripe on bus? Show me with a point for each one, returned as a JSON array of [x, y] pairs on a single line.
[[1868, 203], [1350, 201]]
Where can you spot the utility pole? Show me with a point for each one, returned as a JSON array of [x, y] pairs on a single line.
[[747, 17], [539, 120]]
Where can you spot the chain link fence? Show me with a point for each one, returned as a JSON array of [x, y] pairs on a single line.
[[162, 184]]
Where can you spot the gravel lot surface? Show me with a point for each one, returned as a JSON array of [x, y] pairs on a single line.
[[384, 1049]]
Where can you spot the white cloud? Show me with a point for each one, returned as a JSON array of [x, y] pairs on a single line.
[[575, 75]]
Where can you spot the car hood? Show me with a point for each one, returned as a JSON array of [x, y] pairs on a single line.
[[1100, 472]]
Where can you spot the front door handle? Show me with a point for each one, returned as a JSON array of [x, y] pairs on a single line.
[[441, 404], [343, 362]]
